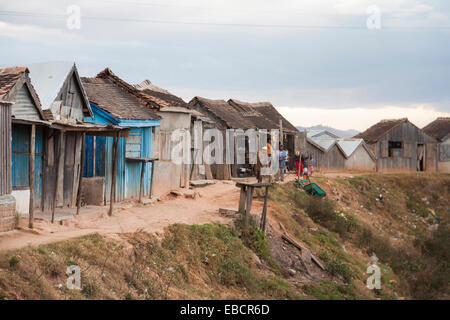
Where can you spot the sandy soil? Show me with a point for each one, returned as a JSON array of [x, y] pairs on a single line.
[[132, 217]]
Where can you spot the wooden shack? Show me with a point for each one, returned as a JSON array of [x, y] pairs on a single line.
[[440, 130], [331, 153], [400, 146], [224, 116], [115, 102], [64, 104], [176, 115], [7, 201], [264, 115], [28, 126]]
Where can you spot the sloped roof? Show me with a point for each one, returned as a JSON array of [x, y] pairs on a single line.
[[348, 146], [48, 79], [321, 133], [375, 132], [439, 128], [160, 96], [325, 144], [139, 95], [269, 112], [113, 98], [248, 111], [225, 112], [8, 79], [12, 79]]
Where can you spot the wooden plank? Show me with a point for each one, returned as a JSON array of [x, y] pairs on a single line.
[[255, 185], [141, 186], [81, 174], [152, 169], [301, 248], [60, 171], [249, 205], [58, 177], [264, 212], [281, 134], [31, 173], [114, 174], [242, 200], [228, 212]]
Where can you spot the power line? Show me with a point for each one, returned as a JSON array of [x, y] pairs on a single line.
[[195, 23]]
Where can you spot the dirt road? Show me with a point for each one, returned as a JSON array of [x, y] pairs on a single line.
[[150, 218], [134, 217]]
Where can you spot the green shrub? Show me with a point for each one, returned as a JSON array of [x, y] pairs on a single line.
[[13, 262]]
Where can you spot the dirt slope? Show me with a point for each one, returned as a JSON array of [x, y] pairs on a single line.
[[408, 230]]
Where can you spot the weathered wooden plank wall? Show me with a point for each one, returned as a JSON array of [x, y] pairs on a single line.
[[24, 107], [5, 149], [411, 137]]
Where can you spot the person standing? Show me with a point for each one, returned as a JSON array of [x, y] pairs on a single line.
[[297, 162], [282, 156], [305, 168]]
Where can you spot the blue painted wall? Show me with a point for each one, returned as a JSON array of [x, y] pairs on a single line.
[[20, 160], [128, 172]]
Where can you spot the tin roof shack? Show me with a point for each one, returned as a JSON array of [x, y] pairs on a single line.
[[28, 126], [265, 116], [331, 153], [175, 116], [115, 102], [326, 154], [358, 156], [400, 146], [440, 130], [7, 201], [64, 103], [224, 116]]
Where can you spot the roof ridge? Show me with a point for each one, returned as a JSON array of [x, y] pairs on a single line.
[[393, 120], [14, 70]]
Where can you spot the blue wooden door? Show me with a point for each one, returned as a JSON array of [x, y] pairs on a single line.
[[39, 153], [21, 160]]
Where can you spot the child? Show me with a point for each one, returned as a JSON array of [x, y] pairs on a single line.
[[305, 169], [297, 162]]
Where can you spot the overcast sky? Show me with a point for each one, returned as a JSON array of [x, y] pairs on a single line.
[[314, 60]]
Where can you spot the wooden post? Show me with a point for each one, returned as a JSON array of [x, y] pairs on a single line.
[[141, 187], [281, 133], [264, 212], [81, 173], [114, 173], [249, 205], [31, 173], [151, 178], [58, 172], [242, 200]]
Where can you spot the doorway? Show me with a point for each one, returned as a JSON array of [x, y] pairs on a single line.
[[420, 157]]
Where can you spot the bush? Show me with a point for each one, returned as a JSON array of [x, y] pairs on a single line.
[[13, 262], [323, 212]]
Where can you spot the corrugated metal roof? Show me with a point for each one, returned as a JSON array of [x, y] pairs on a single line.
[[324, 143], [316, 133], [48, 79], [348, 146]]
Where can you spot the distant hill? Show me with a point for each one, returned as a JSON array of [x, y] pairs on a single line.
[[340, 133]]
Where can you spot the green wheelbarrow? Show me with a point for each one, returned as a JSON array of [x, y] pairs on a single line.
[[314, 190]]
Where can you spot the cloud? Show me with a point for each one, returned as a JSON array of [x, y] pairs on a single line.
[[359, 118], [330, 68]]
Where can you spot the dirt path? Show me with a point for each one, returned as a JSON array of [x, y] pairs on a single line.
[[134, 217], [150, 218]]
